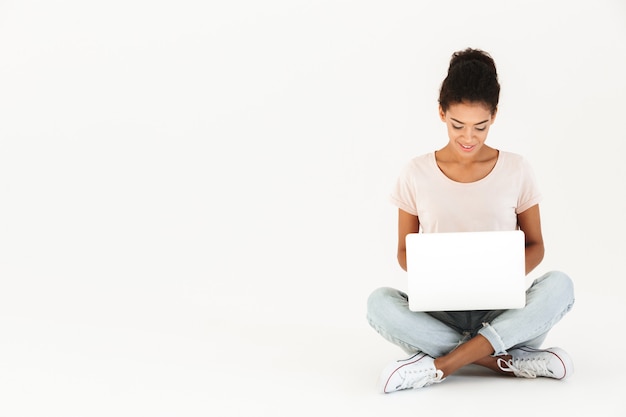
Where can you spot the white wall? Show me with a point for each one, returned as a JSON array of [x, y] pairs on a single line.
[[180, 164]]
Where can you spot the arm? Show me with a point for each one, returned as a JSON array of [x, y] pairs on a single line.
[[407, 223], [530, 223]]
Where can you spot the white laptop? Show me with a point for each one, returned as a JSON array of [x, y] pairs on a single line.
[[466, 271]]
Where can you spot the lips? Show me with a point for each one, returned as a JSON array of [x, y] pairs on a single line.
[[467, 148]]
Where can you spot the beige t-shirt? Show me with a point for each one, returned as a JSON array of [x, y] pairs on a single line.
[[444, 205]]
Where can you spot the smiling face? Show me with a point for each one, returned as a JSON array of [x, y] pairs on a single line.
[[468, 125]]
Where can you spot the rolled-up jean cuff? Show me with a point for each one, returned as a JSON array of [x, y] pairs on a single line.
[[493, 337]]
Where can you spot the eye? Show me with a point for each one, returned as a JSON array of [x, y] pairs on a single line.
[[457, 127], [481, 128]]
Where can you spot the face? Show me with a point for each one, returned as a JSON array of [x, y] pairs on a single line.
[[468, 125]]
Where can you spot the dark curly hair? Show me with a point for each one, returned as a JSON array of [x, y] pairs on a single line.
[[471, 77]]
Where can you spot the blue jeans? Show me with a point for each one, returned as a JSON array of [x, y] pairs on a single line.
[[548, 299]]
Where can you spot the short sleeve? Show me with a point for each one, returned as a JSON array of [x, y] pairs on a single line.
[[529, 194], [403, 193]]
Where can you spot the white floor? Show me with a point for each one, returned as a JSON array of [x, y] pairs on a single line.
[[223, 367]]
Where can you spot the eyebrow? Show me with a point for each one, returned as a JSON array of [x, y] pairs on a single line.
[[460, 122]]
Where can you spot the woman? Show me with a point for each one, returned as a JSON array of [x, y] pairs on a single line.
[[431, 195]]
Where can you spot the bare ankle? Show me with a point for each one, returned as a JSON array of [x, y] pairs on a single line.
[[491, 362], [440, 365]]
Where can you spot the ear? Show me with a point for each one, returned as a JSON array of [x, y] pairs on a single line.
[[442, 114]]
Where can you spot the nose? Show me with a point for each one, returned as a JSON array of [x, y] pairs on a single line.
[[467, 133]]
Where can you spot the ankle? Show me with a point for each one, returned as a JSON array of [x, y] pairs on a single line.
[[440, 364]]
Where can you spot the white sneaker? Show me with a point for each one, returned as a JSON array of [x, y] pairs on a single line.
[[528, 362], [415, 372]]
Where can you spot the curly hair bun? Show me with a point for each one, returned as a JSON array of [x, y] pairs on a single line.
[[471, 77], [470, 54]]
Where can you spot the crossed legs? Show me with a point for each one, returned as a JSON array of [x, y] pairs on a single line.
[[458, 339]]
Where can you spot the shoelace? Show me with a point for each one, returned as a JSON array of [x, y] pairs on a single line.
[[423, 381], [525, 368]]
